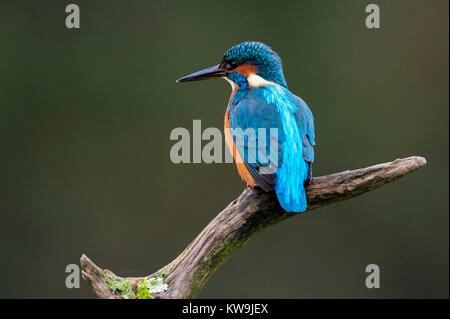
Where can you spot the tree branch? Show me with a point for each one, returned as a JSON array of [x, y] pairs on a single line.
[[252, 212]]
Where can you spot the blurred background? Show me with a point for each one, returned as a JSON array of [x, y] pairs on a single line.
[[84, 139]]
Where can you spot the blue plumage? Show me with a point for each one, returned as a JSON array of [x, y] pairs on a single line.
[[281, 158], [268, 107]]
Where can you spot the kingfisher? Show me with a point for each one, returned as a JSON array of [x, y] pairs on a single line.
[[280, 158]]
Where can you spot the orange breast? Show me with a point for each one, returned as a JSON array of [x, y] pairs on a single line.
[[242, 170]]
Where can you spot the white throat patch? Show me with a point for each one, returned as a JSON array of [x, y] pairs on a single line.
[[255, 81], [233, 85]]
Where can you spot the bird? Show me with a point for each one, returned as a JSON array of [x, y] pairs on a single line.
[[261, 101]]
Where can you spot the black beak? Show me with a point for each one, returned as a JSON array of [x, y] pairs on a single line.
[[206, 74]]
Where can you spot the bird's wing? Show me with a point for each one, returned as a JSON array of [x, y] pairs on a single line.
[[260, 150], [305, 121]]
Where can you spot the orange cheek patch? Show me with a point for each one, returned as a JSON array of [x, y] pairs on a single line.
[[247, 69]]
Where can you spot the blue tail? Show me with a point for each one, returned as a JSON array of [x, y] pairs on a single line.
[[290, 189]]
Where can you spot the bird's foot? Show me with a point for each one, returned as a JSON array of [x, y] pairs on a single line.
[[255, 187]]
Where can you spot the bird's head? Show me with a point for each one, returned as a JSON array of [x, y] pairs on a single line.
[[245, 65]]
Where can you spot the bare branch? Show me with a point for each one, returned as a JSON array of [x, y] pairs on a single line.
[[253, 211]]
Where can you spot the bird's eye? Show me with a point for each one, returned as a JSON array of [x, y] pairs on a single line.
[[231, 65]]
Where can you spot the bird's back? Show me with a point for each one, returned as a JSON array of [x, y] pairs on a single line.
[[290, 151]]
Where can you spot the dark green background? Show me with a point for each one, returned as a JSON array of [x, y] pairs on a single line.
[[84, 136]]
